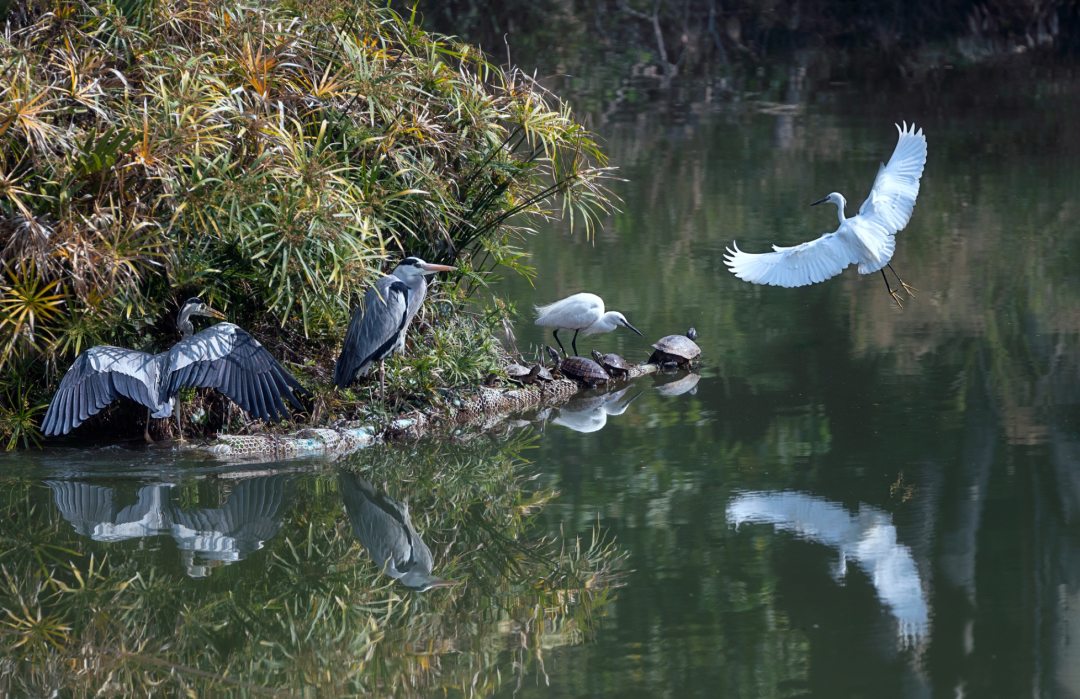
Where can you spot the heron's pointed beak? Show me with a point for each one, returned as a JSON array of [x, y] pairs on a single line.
[[430, 268], [213, 312], [820, 201], [634, 329]]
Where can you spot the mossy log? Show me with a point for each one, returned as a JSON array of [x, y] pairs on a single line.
[[482, 408]]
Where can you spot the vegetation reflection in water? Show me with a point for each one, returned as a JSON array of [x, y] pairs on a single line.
[[950, 425], [100, 599]]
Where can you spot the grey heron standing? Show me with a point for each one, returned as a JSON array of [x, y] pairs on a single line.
[[223, 356], [582, 313], [377, 328], [384, 528]]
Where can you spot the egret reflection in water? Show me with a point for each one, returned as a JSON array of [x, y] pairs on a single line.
[[869, 538], [590, 414], [384, 528], [207, 537]]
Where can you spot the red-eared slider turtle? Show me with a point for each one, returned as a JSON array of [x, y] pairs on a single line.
[[613, 364], [579, 369], [675, 350], [521, 374]]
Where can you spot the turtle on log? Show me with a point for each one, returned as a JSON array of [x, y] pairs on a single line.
[[584, 371], [613, 364], [676, 350]]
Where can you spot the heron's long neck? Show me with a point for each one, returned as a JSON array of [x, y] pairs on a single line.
[[417, 291], [183, 324], [840, 209]]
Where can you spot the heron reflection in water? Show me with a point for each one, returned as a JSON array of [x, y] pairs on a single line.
[[206, 537], [384, 528], [590, 414], [869, 538]]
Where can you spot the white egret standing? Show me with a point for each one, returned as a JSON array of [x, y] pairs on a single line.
[[582, 313], [866, 239], [377, 329]]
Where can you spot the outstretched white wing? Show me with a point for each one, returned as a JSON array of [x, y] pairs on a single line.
[[808, 263], [893, 197]]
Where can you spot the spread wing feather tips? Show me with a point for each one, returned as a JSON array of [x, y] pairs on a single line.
[[808, 263]]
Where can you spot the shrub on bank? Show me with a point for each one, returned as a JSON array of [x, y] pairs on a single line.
[[272, 158]]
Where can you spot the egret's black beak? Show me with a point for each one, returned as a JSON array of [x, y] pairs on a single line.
[[627, 324], [820, 201]]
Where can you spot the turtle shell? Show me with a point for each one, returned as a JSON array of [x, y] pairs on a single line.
[[516, 371], [544, 374], [581, 369], [679, 346], [612, 363]]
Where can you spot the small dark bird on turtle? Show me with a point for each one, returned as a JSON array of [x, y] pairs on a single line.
[[584, 371], [613, 364], [676, 350]]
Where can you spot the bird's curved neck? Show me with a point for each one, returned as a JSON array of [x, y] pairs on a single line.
[[840, 209], [184, 325]]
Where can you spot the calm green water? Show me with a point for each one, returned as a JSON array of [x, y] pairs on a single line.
[[853, 500]]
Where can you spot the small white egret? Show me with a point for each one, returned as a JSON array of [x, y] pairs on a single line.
[[582, 313], [866, 239]]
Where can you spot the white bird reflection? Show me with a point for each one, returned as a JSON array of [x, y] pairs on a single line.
[[590, 414], [869, 538], [206, 537]]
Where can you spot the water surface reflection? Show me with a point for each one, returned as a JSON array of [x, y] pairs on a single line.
[[868, 538]]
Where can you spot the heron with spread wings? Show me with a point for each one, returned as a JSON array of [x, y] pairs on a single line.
[[224, 356], [867, 239]]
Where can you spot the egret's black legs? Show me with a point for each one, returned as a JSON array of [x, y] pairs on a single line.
[[556, 334], [573, 343], [907, 287], [146, 430], [892, 291]]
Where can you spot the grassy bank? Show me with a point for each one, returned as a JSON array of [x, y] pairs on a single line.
[[272, 159]]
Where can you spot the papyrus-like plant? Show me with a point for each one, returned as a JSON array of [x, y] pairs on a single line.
[[270, 157]]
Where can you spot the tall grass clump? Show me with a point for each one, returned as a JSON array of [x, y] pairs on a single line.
[[273, 158]]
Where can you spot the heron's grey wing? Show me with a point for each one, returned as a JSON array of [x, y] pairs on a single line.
[[808, 263], [96, 378], [84, 505], [226, 357], [383, 527], [251, 515], [374, 329], [892, 198]]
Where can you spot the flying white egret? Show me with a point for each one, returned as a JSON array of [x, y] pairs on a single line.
[[377, 329], [582, 313], [223, 356], [866, 239]]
